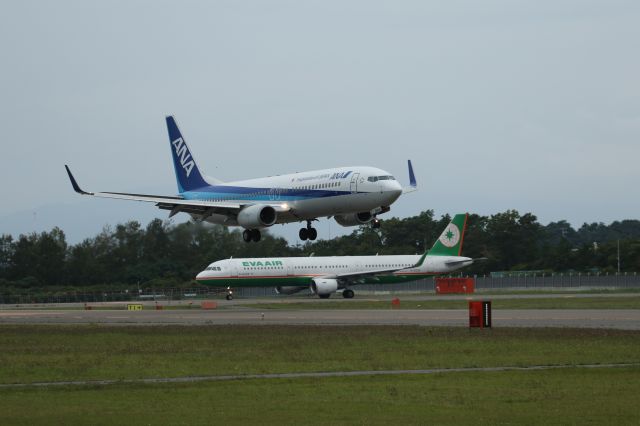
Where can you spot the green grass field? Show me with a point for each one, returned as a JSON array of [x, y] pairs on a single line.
[[596, 397], [568, 302], [568, 396]]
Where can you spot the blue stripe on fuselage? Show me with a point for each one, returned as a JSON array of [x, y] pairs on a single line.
[[223, 192]]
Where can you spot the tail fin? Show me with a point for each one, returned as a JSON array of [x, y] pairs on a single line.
[[450, 241], [187, 172]]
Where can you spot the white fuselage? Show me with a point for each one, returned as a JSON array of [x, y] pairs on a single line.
[[298, 270], [308, 195]]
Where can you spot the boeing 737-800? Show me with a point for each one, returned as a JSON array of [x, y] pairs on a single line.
[[326, 275], [351, 195]]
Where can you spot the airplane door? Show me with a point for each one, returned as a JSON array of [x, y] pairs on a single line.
[[353, 187], [234, 270]]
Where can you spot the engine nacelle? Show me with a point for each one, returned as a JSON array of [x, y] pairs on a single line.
[[324, 286], [257, 216], [354, 219], [288, 289]]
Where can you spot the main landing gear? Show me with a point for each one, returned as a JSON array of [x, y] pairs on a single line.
[[308, 232], [249, 235], [348, 293]]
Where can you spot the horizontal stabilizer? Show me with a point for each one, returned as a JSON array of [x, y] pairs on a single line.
[[467, 260]]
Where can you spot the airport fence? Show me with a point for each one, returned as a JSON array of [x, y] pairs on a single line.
[[578, 281], [559, 282]]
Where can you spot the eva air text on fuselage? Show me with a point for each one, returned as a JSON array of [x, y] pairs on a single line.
[[265, 263]]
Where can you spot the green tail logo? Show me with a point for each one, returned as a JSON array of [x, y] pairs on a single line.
[[450, 241]]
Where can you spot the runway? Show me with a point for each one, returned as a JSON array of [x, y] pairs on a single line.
[[626, 319]]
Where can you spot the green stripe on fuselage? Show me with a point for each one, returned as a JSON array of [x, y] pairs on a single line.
[[302, 281]]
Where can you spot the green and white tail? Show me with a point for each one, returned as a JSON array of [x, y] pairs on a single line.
[[450, 241]]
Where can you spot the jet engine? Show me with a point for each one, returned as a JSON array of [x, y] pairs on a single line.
[[257, 216], [354, 219], [323, 287], [288, 289]]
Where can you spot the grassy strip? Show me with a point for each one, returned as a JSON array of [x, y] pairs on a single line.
[[57, 353], [560, 290], [608, 396], [568, 302]]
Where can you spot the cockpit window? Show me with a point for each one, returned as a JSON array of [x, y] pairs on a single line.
[[377, 178]]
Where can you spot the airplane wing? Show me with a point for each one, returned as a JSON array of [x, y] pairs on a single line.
[[174, 203], [355, 277]]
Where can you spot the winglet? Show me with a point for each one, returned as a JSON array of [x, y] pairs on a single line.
[[412, 177], [413, 184], [75, 185]]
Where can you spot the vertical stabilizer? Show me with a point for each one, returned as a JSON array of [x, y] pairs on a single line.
[[187, 172], [450, 241]]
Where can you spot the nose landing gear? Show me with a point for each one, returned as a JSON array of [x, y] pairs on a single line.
[[229, 295], [375, 223]]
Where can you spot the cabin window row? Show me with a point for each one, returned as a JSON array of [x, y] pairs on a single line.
[[319, 186], [394, 265], [320, 266]]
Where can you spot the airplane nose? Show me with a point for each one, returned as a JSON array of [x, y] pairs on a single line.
[[200, 275], [392, 191], [395, 188]]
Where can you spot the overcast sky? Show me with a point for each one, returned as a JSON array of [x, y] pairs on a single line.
[[530, 105]]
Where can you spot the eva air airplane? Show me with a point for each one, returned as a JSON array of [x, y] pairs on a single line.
[[326, 275], [351, 195]]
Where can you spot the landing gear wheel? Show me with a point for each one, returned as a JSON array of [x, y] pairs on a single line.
[[308, 232], [249, 235], [324, 296], [229, 297], [375, 223], [348, 294]]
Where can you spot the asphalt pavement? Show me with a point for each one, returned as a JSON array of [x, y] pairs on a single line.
[[628, 319]]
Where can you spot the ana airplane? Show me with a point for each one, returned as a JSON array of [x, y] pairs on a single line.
[[326, 275], [351, 195]]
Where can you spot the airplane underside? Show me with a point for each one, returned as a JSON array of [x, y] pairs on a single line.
[[303, 211]]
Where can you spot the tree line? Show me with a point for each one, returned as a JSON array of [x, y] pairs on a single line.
[[165, 254]]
